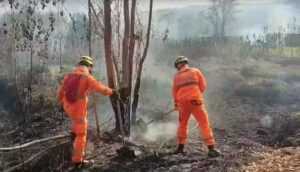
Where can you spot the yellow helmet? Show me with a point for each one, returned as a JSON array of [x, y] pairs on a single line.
[[86, 59], [181, 59]]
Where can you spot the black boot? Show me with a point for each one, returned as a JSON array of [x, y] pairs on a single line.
[[212, 152], [180, 149]]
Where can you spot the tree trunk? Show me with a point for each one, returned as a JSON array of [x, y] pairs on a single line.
[[223, 25], [30, 77], [118, 28], [125, 73], [223, 19], [90, 29], [110, 63], [13, 54], [125, 69], [140, 67], [107, 48], [17, 91], [60, 40], [90, 54], [107, 43], [130, 62]]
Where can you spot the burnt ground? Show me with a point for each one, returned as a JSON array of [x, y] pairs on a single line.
[[241, 144], [248, 131], [236, 152]]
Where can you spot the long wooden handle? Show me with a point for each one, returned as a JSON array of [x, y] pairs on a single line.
[[167, 113], [163, 115]]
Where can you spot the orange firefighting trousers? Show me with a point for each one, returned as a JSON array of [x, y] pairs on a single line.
[[78, 113], [196, 108]]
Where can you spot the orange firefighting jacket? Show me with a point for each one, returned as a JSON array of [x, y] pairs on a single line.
[[188, 84], [87, 84]]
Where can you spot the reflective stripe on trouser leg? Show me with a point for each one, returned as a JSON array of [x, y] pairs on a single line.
[[80, 128], [181, 140], [201, 117], [77, 156], [209, 141], [184, 115]]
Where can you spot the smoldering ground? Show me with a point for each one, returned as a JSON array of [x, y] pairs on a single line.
[[225, 80]]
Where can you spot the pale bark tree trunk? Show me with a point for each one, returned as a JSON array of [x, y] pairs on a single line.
[[130, 60]]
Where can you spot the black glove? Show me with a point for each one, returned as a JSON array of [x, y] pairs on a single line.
[[114, 95], [124, 93]]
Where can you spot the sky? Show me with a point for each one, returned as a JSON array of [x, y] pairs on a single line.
[[163, 4], [184, 19], [81, 5]]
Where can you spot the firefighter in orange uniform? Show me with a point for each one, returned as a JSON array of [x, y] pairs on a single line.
[[188, 87], [73, 94]]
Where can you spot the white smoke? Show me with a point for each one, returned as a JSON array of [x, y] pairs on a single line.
[[266, 121], [161, 130]]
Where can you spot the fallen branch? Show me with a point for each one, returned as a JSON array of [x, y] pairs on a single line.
[[32, 158], [32, 143]]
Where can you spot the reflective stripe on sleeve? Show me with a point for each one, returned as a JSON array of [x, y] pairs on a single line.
[[188, 84]]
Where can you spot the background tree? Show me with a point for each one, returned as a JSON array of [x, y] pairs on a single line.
[[29, 28], [220, 14], [140, 67]]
